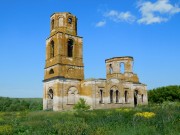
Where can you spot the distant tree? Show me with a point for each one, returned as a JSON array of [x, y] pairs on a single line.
[[161, 94], [18, 104]]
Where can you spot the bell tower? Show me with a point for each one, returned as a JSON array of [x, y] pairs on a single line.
[[64, 58]]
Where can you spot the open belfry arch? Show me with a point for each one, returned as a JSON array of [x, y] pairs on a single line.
[[64, 81]]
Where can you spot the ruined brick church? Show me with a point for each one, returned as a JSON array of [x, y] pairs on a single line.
[[64, 81]]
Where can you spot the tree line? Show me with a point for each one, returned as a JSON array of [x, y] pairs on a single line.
[[166, 93], [20, 104]]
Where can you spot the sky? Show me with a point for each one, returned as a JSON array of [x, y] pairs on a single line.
[[148, 30]]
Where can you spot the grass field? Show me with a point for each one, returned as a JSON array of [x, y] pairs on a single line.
[[161, 119]]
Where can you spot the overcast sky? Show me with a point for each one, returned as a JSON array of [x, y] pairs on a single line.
[[148, 30]]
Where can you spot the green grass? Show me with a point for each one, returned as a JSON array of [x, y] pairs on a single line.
[[97, 122]]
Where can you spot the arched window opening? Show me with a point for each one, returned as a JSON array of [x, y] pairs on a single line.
[[52, 49], [52, 24], [117, 96], [61, 23], [122, 68], [51, 71], [110, 69], [72, 96], [125, 95], [136, 93], [101, 96], [50, 94], [111, 96], [142, 98], [135, 97], [70, 20], [70, 48]]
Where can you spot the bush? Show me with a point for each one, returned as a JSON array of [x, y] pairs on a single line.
[[81, 105]]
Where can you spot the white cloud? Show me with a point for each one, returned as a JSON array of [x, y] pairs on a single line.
[[157, 12], [101, 24], [120, 16]]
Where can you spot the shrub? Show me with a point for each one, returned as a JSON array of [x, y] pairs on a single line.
[[81, 105]]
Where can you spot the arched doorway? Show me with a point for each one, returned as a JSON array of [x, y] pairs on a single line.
[[135, 97], [50, 99]]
